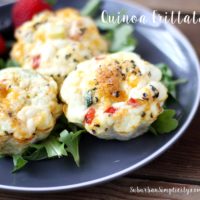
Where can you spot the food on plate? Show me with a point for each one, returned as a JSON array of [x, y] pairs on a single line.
[[112, 96], [53, 43], [116, 96], [28, 108]]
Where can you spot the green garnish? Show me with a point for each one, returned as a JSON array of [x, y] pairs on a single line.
[[35, 152], [89, 98], [105, 26], [168, 81], [49, 148], [91, 8], [71, 140], [19, 162], [1, 156], [53, 146], [165, 122], [122, 38]]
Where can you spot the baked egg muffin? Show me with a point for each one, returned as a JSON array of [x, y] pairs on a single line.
[[53, 43], [28, 108], [116, 96]]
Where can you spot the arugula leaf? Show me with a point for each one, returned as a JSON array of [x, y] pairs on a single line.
[[71, 140], [105, 26], [19, 162], [168, 81], [54, 148], [51, 147], [56, 145], [165, 122], [1, 156], [121, 38], [91, 8], [34, 153]]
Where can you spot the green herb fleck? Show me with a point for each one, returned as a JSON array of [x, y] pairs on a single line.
[[89, 98]]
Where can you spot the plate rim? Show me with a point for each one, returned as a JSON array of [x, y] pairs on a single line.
[[184, 40]]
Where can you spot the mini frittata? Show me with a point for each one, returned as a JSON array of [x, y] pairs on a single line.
[[115, 96], [28, 108], [53, 43]]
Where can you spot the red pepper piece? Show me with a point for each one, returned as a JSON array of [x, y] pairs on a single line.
[[90, 116], [100, 57], [133, 102], [36, 61], [111, 110]]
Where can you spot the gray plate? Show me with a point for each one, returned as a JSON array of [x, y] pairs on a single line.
[[105, 160]]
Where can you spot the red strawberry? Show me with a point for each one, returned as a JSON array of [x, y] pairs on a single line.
[[2, 45], [24, 10]]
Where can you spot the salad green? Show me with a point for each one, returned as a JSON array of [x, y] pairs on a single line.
[[58, 144], [160, 126], [168, 81], [91, 8]]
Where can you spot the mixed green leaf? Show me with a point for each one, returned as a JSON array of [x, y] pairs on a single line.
[[91, 8], [165, 123], [18, 162], [54, 146], [71, 141], [168, 80], [119, 36]]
